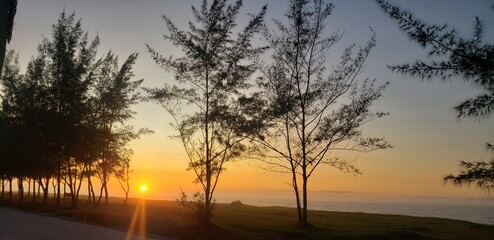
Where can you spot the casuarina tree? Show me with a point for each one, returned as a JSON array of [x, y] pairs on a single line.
[[470, 59], [312, 112], [210, 78], [479, 173], [8, 8], [71, 110]]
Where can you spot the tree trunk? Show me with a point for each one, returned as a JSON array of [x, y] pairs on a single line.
[[88, 191], [207, 192], [297, 195], [59, 179], [28, 187], [72, 182], [21, 189], [128, 187], [3, 31], [92, 193], [106, 194], [34, 191], [104, 182], [100, 196], [78, 190], [88, 171], [10, 188], [54, 189], [126, 195], [90, 188], [304, 218], [3, 187], [45, 189], [45, 195]]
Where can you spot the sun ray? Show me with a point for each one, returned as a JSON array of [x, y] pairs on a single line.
[[139, 215]]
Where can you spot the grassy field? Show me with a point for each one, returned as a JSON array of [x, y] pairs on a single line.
[[238, 221]]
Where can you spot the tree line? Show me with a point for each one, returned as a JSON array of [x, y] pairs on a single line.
[[64, 119]]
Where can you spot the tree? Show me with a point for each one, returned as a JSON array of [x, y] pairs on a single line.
[[24, 109], [211, 75], [69, 65], [114, 94], [70, 110], [480, 173], [10, 81], [471, 59], [8, 8], [312, 113], [123, 176]]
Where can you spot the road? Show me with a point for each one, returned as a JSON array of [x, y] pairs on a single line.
[[17, 225]]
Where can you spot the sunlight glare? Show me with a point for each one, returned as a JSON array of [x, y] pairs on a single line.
[[144, 188]]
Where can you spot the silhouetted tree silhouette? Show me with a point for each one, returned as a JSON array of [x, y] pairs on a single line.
[[69, 65], [212, 73], [471, 59], [29, 117], [26, 112], [8, 8], [70, 110], [123, 176], [311, 113], [480, 173], [114, 94]]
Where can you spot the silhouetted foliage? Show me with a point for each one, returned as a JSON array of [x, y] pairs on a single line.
[[480, 173], [114, 94], [211, 76], [8, 9], [311, 113], [69, 66], [470, 59], [123, 176], [29, 120], [69, 109], [197, 204]]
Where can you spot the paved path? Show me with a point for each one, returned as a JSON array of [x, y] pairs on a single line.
[[17, 225]]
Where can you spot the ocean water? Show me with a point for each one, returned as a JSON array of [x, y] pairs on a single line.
[[477, 210]]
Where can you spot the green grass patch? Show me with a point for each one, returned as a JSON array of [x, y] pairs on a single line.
[[240, 221]]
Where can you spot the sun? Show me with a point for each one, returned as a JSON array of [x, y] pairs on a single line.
[[144, 188]]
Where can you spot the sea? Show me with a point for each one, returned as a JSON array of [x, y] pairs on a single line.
[[476, 210]]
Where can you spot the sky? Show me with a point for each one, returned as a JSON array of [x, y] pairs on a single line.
[[428, 141]]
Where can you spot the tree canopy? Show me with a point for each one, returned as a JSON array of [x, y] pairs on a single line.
[[211, 77], [70, 109], [470, 59], [8, 9], [310, 112]]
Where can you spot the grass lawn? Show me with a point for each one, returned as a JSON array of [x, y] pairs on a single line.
[[237, 221]]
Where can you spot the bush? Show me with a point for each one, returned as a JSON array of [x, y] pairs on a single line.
[[237, 203], [198, 206]]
